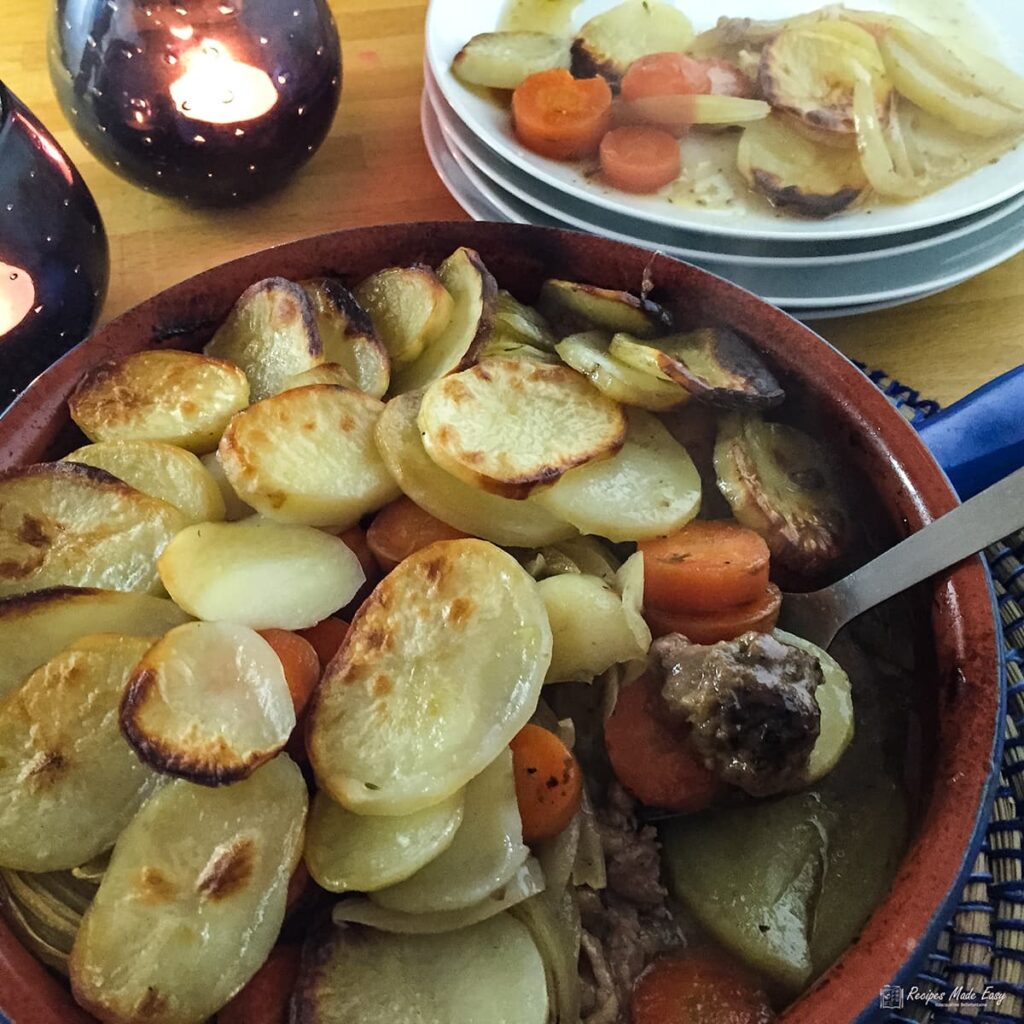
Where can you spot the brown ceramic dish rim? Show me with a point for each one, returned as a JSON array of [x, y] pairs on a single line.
[[913, 488]]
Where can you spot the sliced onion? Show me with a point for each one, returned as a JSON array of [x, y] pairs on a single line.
[[682, 111], [589, 869], [874, 152]]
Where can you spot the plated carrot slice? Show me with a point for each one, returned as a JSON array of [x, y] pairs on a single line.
[[549, 784], [665, 74], [636, 158], [265, 999], [559, 116], [300, 662], [403, 528], [651, 756], [708, 565], [326, 637], [758, 616]]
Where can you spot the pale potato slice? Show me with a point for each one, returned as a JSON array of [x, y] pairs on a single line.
[[456, 632], [508, 426], [259, 573], [69, 783], [193, 899], [500, 520], [504, 346], [62, 524], [572, 307], [651, 488], [180, 398], [409, 307], [161, 470], [473, 291], [588, 354], [308, 456], [486, 853], [271, 333], [348, 852], [209, 702], [526, 882], [502, 60], [514, 319], [348, 336], [483, 974], [234, 507], [325, 373]]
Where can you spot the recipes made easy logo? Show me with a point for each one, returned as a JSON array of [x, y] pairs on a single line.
[[898, 997]]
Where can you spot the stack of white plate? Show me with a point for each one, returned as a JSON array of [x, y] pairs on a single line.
[[857, 262]]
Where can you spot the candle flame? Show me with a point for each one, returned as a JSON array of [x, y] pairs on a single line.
[[17, 296], [217, 89]]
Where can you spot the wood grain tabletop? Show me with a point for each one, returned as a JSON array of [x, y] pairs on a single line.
[[373, 168]]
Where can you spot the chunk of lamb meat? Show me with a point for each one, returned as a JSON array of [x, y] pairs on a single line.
[[750, 703]]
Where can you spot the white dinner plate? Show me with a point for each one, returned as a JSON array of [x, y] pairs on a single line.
[[995, 26]]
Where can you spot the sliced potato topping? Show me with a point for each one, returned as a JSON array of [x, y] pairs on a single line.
[[259, 573], [572, 307], [62, 524], [501, 345], [502, 60], [69, 783], [161, 470], [180, 398], [209, 702], [488, 972], [500, 520], [234, 507], [513, 319], [193, 899], [348, 852], [509, 425], [308, 456], [442, 666], [271, 333], [651, 488], [325, 373]]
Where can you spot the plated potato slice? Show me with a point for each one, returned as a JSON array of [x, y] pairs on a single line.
[[161, 470], [308, 456], [473, 291], [502, 60], [62, 524], [209, 703], [478, 975], [325, 373], [69, 783], [651, 488], [193, 899], [500, 520], [348, 336], [508, 426], [572, 307], [259, 573], [271, 333], [36, 627], [456, 631], [409, 307], [180, 398], [348, 852], [234, 507]]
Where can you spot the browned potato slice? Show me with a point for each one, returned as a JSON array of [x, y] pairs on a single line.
[[260, 573], [69, 783], [510, 425], [325, 373], [348, 335], [161, 470], [308, 456], [62, 524], [209, 703], [714, 364], [502, 60], [796, 173], [180, 398], [473, 291], [572, 308], [409, 307], [193, 900], [36, 627], [810, 71], [271, 334], [608, 43], [782, 483], [457, 631]]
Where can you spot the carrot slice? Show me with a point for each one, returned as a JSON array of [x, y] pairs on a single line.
[[698, 987], [651, 756], [704, 567], [300, 661], [355, 538], [403, 528], [559, 116], [326, 637], [665, 74], [549, 785], [757, 616], [639, 159], [265, 999]]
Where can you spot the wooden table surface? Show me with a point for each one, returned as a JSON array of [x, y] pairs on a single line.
[[373, 168]]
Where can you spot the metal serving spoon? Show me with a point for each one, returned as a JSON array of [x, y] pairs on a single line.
[[966, 530]]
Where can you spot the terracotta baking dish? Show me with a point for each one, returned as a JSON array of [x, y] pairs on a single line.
[[963, 709]]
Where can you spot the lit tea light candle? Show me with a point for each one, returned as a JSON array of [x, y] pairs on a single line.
[[17, 296], [217, 89]]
